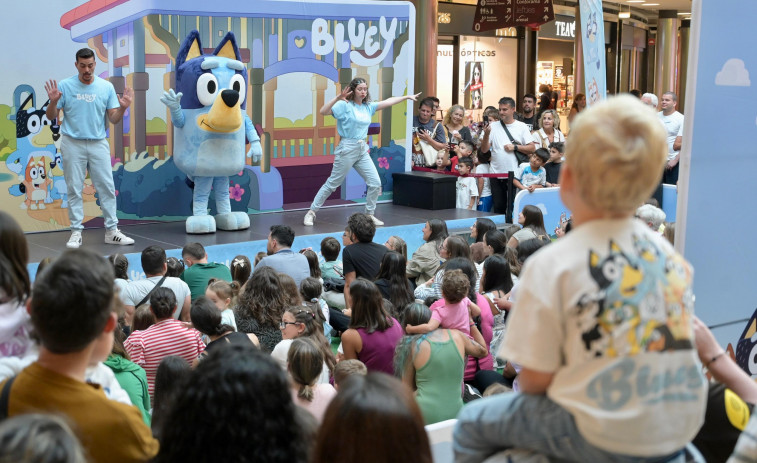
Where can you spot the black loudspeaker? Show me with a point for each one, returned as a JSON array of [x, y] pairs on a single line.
[[424, 190]]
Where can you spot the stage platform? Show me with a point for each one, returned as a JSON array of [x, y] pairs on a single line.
[[222, 246]]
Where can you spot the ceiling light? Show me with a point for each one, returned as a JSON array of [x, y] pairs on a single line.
[[650, 4], [684, 14], [635, 1]]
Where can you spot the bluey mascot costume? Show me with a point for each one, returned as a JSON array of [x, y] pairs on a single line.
[[210, 125]]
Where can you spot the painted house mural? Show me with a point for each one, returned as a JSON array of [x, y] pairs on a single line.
[[298, 55]]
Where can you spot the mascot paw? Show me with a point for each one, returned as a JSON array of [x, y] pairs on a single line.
[[64, 204], [198, 224], [233, 221]]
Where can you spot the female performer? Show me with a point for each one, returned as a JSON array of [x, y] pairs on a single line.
[[353, 110]]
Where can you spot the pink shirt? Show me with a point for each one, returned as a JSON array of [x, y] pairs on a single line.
[[322, 395], [487, 323], [452, 316], [163, 339]]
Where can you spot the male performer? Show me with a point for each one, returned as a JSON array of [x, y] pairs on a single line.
[[86, 99]]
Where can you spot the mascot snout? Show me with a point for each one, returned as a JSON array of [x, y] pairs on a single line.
[[225, 115]]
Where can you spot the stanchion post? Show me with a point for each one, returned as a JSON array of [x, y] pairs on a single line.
[[510, 197]]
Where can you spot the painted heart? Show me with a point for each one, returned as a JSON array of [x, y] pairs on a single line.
[[299, 42]]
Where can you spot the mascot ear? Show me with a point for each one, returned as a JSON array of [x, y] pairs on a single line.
[[228, 48], [191, 48]]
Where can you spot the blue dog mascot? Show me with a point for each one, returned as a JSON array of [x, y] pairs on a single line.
[[208, 113]]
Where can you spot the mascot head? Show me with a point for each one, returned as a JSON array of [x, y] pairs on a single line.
[[215, 84]]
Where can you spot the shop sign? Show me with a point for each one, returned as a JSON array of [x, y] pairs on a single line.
[[563, 28], [496, 14]]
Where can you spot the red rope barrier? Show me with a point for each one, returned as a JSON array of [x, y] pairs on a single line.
[[447, 172]]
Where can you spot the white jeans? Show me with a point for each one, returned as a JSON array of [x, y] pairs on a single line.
[[77, 156], [351, 153]]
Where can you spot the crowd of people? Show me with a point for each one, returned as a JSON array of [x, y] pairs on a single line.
[[528, 143], [580, 348]]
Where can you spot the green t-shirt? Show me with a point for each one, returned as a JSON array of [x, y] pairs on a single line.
[[198, 275]]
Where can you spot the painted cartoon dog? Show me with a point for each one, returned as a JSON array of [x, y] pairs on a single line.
[[210, 126]]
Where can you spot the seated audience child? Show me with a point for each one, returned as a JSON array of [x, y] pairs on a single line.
[[454, 310], [38, 438], [221, 294], [531, 174], [207, 320], [260, 306], [305, 366], [120, 267], [172, 373], [311, 290], [484, 185], [586, 366], [166, 337], [175, 267], [331, 267], [17, 350], [290, 289], [304, 321], [313, 262], [240, 269], [258, 257], [467, 189], [69, 341], [129, 375], [230, 418], [346, 369], [373, 415], [143, 318], [552, 167]]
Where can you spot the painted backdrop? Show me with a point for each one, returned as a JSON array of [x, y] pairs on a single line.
[[298, 53]]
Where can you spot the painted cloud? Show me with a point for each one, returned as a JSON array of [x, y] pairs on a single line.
[[733, 74]]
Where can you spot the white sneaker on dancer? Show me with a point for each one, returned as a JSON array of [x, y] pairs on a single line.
[[75, 240], [309, 219], [376, 221], [116, 237]]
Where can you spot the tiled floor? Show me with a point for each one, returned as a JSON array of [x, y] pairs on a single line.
[[171, 235]]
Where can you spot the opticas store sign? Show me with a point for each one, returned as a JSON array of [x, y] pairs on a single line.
[[563, 28]]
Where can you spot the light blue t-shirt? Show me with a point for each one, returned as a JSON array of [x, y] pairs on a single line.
[[527, 177], [84, 107], [353, 119]]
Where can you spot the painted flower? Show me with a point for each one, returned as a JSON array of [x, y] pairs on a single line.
[[383, 163], [236, 192]]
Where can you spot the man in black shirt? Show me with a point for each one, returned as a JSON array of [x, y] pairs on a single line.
[[363, 257], [528, 116]]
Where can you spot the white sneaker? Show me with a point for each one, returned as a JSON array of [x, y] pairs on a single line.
[[75, 240], [116, 237], [309, 219], [376, 221]]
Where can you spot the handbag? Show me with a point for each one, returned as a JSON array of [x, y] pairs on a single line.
[[521, 157], [429, 152]]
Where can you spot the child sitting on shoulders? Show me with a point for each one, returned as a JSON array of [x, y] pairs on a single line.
[[454, 310], [467, 189], [552, 167], [531, 175], [602, 325], [482, 166]]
